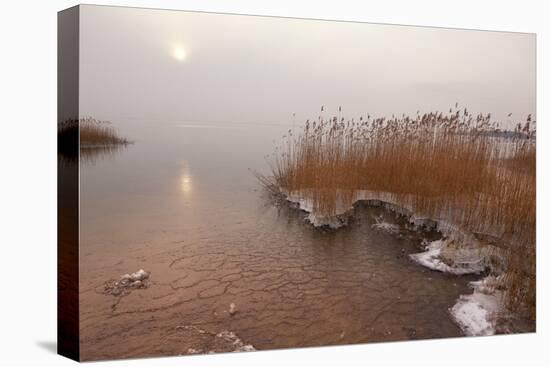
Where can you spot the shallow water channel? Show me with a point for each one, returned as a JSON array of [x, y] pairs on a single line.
[[182, 204]]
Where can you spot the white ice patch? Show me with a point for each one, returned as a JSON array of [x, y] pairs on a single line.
[[403, 205], [385, 226], [333, 222], [343, 209], [464, 261], [139, 275], [224, 341], [477, 313], [127, 283], [238, 344]]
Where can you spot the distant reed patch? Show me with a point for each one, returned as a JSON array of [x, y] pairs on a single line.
[[454, 166], [95, 138]]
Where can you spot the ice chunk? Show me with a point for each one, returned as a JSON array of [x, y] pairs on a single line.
[[127, 283], [238, 344], [138, 275], [457, 261], [385, 226], [477, 313]]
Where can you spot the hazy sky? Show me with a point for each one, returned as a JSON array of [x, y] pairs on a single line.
[[184, 66]]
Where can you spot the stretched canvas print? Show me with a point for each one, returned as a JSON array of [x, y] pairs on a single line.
[[232, 183]]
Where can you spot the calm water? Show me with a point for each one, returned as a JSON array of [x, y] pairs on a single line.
[[182, 204]]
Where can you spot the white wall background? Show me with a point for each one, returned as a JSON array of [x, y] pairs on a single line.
[[28, 181]]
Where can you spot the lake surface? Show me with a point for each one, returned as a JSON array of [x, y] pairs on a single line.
[[182, 204]]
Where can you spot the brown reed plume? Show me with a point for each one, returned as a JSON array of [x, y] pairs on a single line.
[[449, 166], [96, 132]]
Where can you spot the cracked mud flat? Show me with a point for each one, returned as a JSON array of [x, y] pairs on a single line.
[[201, 227]]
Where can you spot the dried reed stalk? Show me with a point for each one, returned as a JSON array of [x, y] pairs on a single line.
[[452, 166]]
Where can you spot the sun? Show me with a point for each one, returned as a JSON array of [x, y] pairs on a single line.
[[178, 53]]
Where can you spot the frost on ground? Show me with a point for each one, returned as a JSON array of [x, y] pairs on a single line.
[[343, 210], [235, 341], [127, 283], [222, 342], [339, 219], [477, 313], [445, 256]]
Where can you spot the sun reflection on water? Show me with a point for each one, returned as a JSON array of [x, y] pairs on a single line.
[[186, 182]]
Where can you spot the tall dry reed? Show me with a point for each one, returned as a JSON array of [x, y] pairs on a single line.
[[92, 138], [92, 132], [451, 166], [96, 132]]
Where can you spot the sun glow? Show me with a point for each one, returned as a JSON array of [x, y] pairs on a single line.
[[186, 183], [178, 53]]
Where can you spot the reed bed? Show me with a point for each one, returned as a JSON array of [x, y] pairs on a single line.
[[451, 166], [96, 132], [90, 131], [94, 138]]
